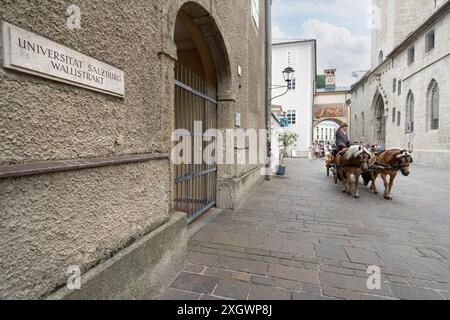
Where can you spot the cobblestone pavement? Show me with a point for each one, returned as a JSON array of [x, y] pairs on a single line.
[[300, 238]]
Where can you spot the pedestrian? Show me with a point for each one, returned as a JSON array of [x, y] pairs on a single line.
[[327, 150], [317, 150], [310, 153]]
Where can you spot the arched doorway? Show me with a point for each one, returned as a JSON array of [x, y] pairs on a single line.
[[325, 131], [380, 121], [199, 78]]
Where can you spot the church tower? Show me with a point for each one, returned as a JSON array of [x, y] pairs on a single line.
[[393, 20], [330, 79]]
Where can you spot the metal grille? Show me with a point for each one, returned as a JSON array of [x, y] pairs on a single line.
[[195, 184]]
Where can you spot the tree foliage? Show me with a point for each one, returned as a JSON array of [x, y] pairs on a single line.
[[321, 81], [287, 140]]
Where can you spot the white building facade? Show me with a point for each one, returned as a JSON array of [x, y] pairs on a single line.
[[299, 101], [404, 100], [325, 132]]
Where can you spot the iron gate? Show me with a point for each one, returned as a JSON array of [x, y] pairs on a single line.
[[195, 184]]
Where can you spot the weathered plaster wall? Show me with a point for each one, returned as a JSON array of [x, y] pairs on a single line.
[[45, 120], [53, 221], [49, 222]]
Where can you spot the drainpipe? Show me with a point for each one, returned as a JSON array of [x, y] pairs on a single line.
[[267, 65]]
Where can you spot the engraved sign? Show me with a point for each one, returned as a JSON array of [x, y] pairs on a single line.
[[27, 52]]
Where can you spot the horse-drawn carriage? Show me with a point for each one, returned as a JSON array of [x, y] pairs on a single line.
[[358, 161]]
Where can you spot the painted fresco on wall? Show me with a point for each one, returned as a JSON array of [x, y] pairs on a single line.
[[327, 111]]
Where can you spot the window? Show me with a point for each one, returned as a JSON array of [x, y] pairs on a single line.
[[411, 54], [255, 12], [433, 106], [380, 57], [409, 125], [363, 125], [429, 41], [394, 115], [399, 118], [399, 87], [292, 85], [292, 59], [394, 85], [292, 117]]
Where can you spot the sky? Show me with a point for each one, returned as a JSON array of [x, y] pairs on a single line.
[[340, 27]]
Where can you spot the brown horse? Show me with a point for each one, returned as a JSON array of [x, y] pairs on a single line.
[[390, 163], [353, 161]]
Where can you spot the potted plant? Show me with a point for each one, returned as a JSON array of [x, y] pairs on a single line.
[[287, 140]]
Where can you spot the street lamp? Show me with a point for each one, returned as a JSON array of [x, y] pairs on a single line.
[[288, 75]]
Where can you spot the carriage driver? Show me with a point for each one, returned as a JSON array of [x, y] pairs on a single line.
[[342, 140]]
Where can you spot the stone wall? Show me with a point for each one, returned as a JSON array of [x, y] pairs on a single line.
[[82, 217], [430, 147]]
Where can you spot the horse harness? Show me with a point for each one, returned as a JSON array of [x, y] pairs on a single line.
[[382, 166], [377, 165]]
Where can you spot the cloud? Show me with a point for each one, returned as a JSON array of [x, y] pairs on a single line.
[[349, 12], [277, 33], [338, 47], [339, 26]]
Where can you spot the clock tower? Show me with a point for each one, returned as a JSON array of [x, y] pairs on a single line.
[[330, 79]]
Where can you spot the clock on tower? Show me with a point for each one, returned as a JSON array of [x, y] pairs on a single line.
[[330, 79]]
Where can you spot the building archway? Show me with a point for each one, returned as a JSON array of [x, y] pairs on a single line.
[[380, 120], [325, 130], [202, 94], [210, 29]]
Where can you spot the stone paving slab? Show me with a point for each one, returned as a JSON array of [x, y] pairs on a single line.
[[300, 238]]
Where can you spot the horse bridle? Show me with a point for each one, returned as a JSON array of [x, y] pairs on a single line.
[[399, 166]]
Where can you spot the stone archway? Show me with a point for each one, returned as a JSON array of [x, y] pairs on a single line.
[[201, 13], [339, 122], [336, 112], [194, 39], [326, 134]]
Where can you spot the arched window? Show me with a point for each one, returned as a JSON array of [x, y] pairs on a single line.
[[380, 57], [409, 126], [433, 106], [363, 126]]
